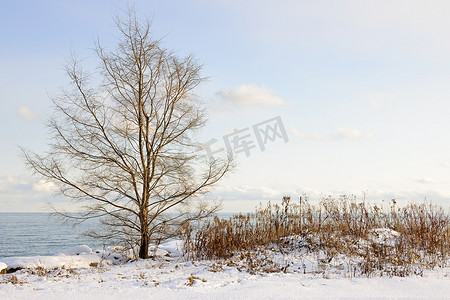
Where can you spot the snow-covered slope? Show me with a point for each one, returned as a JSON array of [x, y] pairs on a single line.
[[167, 276]]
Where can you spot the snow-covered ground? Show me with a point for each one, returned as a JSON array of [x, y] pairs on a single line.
[[80, 273]]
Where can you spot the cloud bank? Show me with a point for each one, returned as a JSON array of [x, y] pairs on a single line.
[[250, 95], [27, 114], [340, 134]]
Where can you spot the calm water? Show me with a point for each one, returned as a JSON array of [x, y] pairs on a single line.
[[30, 234]]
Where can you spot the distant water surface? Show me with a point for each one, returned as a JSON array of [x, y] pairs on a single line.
[[31, 234]]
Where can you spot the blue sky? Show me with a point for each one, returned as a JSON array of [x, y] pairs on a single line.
[[362, 88]]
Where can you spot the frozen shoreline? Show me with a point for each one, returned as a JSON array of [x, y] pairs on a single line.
[[138, 280], [169, 277]]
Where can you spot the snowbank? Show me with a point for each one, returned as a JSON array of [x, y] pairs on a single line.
[[173, 248], [384, 236], [172, 278], [52, 262], [116, 254], [202, 280], [83, 257], [77, 250], [76, 257]]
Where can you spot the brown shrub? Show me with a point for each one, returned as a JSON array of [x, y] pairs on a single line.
[[334, 226]]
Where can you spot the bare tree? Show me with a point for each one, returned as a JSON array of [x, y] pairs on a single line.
[[126, 148]]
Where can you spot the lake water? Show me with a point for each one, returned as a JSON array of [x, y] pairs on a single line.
[[31, 234]]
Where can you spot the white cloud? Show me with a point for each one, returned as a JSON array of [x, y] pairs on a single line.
[[250, 95], [25, 193], [380, 100], [246, 198], [404, 197], [352, 134], [44, 186], [10, 184], [24, 187], [27, 114], [426, 180], [341, 134], [298, 134], [245, 192]]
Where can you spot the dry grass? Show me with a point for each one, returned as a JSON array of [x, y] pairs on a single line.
[[192, 278], [11, 279], [334, 227]]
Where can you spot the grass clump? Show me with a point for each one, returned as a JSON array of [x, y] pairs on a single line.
[[13, 279], [375, 239]]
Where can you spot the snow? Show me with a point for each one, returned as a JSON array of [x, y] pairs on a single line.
[[116, 254], [83, 257], [168, 276], [384, 236], [52, 262], [172, 247], [3, 266], [77, 250], [76, 257], [157, 251], [168, 280]]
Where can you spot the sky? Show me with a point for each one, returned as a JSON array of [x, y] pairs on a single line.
[[348, 97]]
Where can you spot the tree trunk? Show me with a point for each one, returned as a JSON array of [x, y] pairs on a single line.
[[145, 239], [143, 249]]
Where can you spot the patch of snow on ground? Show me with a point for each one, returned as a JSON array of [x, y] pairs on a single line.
[[169, 277], [384, 236], [173, 247], [171, 280], [52, 262], [77, 250]]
